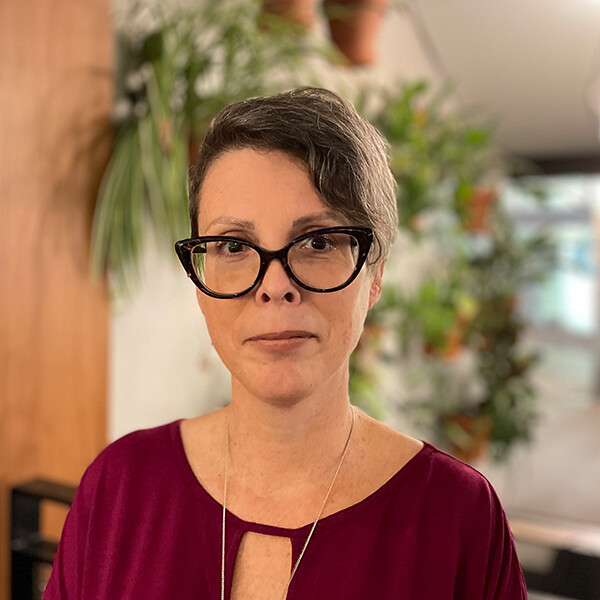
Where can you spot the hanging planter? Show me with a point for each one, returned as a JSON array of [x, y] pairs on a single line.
[[469, 435], [479, 209], [301, 12], [354, 25]]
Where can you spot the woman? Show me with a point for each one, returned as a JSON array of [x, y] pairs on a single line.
[[288, 492]]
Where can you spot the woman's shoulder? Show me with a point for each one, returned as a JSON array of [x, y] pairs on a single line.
[[384, 450], [376, 456], [446, 472], [143, 453], [456, 491], [141, 443], [431, 471]]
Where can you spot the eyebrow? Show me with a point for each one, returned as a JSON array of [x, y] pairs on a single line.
[[297, 224], [316, 217], [241, 223]]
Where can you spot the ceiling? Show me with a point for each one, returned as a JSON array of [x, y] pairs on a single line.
[[534, 65]]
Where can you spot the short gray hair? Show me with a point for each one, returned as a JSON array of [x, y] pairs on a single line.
[[346, 157]]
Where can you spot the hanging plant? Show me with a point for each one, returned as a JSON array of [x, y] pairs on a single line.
[[179, 65]]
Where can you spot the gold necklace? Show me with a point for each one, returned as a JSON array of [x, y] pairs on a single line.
[[313, 526]]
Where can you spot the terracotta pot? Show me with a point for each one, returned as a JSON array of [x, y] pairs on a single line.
[[301, 12], [477, 430], [478, 209], [354, 25], [452, 345]]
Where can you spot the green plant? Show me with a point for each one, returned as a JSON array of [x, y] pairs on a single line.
[[438, 156], [457, 323], [179, 65]]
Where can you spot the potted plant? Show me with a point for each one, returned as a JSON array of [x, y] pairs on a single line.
[[179, 64], [301, 12], [457, 323], [354, 26]]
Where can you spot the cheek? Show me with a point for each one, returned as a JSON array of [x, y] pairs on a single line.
[[350, 317], [219, 318], [360, 314], [220, 332]]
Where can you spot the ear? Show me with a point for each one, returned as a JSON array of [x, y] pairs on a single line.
[[376, 283]]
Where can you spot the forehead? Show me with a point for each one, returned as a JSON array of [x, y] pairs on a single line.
[[264, 187]]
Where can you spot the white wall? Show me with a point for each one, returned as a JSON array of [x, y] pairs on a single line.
[[162, 364]]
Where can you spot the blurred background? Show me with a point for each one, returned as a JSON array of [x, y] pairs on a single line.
[[486, 339]]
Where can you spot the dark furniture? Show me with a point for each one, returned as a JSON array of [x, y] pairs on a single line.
[[28, 548], [572, 557]]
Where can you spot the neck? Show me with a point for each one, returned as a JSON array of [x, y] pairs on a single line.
[[287, 441]]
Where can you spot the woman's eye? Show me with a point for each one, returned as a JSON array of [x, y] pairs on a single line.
[[319, 242], [230, 247]]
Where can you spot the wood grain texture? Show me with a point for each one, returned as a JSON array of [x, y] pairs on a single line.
[[55, 101]]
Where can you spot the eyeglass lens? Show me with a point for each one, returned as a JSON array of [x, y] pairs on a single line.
[[323, 261]]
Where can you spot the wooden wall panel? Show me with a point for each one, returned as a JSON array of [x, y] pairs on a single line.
[[55, 101]]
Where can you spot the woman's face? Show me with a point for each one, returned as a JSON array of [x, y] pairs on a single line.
[[280, 342]]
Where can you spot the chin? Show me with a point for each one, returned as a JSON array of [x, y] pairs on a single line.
[[285, 394], [280, 387], [283, 400]]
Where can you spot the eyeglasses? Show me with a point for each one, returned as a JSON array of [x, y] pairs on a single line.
[[325, 260]]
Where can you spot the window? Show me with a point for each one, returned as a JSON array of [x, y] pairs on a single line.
[[563, 310]]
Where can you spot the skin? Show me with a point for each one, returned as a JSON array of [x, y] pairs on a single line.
[[290, 416], [270, 192]]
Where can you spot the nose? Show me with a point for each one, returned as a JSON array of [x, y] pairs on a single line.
[[276, 286]]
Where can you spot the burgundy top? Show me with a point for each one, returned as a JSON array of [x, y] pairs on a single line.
[[143, 528]]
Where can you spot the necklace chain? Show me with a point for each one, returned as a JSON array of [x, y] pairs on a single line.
[[314, 525]]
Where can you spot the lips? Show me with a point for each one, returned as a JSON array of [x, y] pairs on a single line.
[[281, 336]]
